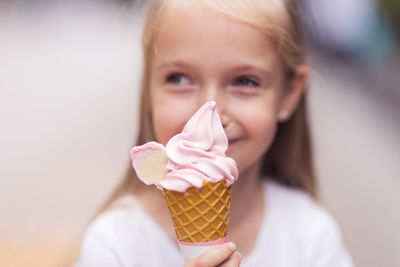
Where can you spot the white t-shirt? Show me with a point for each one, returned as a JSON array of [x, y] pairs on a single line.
[[295, 232]]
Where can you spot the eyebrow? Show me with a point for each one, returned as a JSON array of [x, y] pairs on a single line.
[[173, 63], [262, 70]]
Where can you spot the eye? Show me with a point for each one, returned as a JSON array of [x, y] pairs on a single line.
[[246, 81], [178, 78]]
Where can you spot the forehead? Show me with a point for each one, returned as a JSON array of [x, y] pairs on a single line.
[[198, 31]]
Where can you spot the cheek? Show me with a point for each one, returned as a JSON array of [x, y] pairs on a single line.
[[164, 125], [261, 129], [169, 117], [263, 134], [260, 126]]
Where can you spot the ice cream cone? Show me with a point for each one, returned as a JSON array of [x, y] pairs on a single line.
[[200, 216]]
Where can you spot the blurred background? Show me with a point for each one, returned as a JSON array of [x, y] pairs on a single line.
[[69, 79]]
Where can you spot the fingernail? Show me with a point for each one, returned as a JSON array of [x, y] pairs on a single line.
[[232, 246], [238, 253]]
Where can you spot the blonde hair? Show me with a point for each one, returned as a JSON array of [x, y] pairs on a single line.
[[289, 159]]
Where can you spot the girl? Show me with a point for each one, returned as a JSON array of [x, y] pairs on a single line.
[[247, 56]]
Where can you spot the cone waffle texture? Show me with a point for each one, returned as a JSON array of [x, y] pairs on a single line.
[[200, 215]]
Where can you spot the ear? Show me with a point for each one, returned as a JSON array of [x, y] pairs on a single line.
[[293, 92]]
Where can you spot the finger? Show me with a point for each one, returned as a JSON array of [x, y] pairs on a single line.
[[232, 261], [214, 256]]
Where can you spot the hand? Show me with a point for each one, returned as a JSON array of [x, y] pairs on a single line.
[[223, 256]]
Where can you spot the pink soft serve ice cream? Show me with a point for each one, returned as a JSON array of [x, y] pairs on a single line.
[[194, 156], [197, 154]]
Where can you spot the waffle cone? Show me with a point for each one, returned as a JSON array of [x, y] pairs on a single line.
[[200, 215]]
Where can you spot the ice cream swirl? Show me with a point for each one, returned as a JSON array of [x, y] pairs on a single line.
[[197, 154]]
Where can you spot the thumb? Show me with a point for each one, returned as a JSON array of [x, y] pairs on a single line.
[[213, 257]]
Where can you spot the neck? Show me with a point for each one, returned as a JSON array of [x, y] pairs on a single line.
[[246, 194]]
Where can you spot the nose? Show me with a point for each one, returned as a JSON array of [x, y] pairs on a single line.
[[213, 92]]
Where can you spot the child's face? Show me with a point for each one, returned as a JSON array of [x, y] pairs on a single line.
[[206, 56]]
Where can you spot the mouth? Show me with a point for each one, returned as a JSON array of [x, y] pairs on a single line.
[[233, 141]]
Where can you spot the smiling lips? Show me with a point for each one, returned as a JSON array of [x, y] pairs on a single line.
[[233, 141], [233, 132]]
